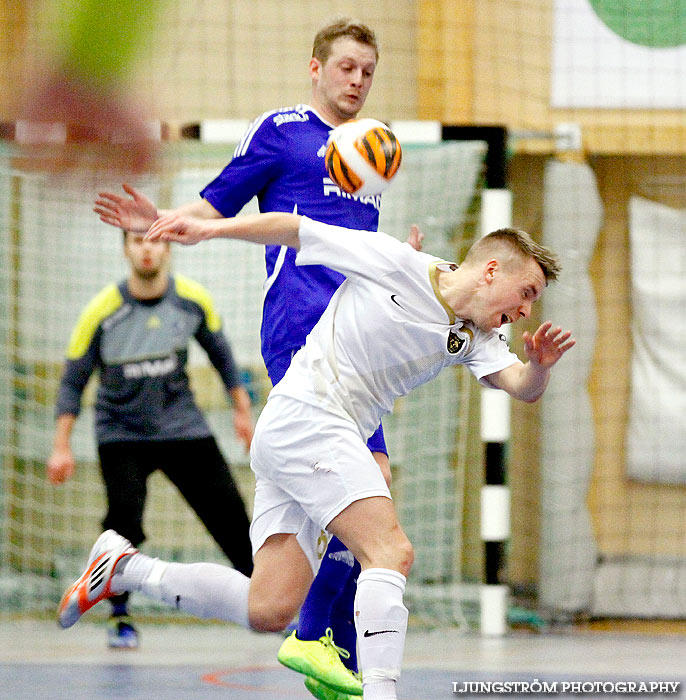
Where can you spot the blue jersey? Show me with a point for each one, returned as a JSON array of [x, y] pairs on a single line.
[[281, 161]]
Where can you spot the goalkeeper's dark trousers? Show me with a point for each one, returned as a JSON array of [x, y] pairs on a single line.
[[198, 470]]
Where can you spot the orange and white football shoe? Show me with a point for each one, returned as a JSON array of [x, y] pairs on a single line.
[[95, 583]]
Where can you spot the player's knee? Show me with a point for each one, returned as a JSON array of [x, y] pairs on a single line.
[[268, 623], [271, 616], [405, 557], [397, 553], [403, 552], [392, 551]]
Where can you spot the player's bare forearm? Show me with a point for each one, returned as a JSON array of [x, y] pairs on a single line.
[[242, 416], [63, 430], [544, 348], [200, 209], [527, 382], [240, 399], [274, 228]]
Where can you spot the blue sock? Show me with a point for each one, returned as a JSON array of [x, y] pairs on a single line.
[[342, 618], [119, 604], [333, 574]]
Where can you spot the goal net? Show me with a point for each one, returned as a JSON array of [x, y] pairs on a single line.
[[58, 255]]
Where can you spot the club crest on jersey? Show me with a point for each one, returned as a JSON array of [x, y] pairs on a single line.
[[455, 343]]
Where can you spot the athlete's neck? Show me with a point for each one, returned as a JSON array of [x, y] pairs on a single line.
[[327, 115], [148, 287], [457, 288]]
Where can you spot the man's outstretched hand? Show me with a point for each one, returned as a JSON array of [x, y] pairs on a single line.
[[135, 213], [547, 345]]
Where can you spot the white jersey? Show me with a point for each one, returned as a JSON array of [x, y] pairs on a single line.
[[386, 330]]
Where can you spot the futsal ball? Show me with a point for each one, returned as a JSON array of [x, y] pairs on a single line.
[[363, 156]]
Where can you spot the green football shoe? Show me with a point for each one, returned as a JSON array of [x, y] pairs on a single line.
[[325, 692], [321, 660]]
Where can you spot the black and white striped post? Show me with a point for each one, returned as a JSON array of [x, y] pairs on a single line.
[[495, 433], [496, 212]]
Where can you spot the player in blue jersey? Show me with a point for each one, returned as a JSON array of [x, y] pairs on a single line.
[[136, 335], [280, 160]]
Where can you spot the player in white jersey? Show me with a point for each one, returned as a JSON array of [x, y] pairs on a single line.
[[357, 370], [397, 320]]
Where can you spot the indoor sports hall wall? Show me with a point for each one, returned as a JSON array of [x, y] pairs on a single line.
[[231, 59], [633, 151], [574, 86]]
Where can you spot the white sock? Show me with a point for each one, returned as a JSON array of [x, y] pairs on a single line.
[[203, 590], [381, 623], [383, 690], [132, 570]]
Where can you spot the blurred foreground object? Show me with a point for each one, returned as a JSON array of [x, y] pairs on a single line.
[[77, 92]]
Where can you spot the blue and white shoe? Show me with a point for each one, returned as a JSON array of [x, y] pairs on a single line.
[[121, 634]]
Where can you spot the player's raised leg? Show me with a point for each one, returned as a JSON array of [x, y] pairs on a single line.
[[282, 577], [329, 606]]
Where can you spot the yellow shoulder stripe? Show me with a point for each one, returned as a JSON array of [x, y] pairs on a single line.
[[433, 276], [97, 310], [190, 289]]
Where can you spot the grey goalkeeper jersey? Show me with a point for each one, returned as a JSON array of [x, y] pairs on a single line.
[[140, 348]]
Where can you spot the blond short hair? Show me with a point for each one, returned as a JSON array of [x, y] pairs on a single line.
[[521, 244]]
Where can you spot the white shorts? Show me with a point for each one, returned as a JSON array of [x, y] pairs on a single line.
[[309, 466]]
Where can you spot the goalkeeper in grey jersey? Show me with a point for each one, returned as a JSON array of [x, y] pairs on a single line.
[[136, 335]]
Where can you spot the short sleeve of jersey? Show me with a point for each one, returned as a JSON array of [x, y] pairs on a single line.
[[370, 254], [489, 353], [256, 162]]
